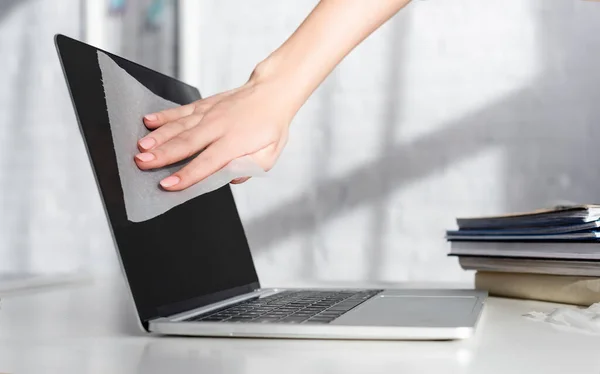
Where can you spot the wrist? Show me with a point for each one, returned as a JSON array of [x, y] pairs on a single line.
[[286, 76], [265, 71]]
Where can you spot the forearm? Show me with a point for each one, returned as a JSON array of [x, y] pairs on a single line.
[[326, 36]]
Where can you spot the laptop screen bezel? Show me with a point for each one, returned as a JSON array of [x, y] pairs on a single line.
[[163, 310]]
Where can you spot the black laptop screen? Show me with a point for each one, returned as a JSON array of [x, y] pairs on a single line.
[[192, 255]]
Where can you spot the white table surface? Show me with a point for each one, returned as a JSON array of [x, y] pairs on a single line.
[[90, 328]]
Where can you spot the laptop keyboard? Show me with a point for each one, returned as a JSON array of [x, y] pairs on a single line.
[[313, 307]]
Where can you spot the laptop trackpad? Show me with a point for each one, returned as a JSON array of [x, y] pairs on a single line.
[[412, 311]]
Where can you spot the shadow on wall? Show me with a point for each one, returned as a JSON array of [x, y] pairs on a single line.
[[548, 131], [7, 6]]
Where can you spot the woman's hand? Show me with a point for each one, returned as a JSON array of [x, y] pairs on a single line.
[[254, 119], [250, 120]]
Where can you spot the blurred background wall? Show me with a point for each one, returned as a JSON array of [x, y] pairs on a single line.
[[452, 108], [51, 220], [44, 180]]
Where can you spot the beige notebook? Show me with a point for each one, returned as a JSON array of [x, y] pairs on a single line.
[[555, 288], [531, 266]]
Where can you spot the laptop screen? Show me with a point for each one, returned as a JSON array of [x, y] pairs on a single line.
[[190, 256]]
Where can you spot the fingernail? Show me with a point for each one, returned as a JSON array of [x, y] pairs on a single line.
[[170, 181], [147, 143], [151, 117], [145, 157]]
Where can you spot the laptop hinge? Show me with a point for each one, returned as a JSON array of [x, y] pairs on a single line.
[[200, 301], [218, 305]]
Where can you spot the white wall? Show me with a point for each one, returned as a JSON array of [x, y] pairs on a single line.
[[453, 108], [42, 160]]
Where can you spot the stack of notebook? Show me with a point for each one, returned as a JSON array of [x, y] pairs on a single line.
[[551, 254]]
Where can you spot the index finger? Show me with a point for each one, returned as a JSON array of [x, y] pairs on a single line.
[[154, 120]]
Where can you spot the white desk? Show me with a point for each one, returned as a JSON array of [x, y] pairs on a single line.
[[90, 328]]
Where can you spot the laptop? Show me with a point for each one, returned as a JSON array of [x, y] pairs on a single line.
[[190, 270]]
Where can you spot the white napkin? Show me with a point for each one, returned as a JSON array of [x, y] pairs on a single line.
[[127, 101]]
